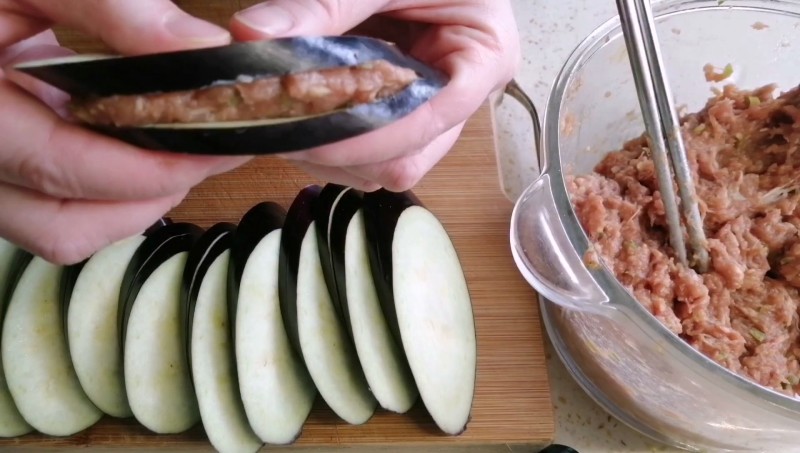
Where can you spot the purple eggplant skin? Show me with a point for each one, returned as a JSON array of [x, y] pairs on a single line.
[[298, 220], [19, 262], [164, 221], [338, 205], [215, 241], [382, 210], [261, 220], [161, 245], [198, 68], [326, 201], [69, 275]]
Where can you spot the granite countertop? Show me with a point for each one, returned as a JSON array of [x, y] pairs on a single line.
[[550, 29]]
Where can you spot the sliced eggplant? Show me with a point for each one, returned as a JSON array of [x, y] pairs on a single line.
[[343, 250], [102, 76], [275, 387], [12, 262], [155, 366], [211, 351], [326, 349], [299, 218], [87, 78], [162, 241], [208, 247], [425, 298], [68, 278], [254, 225], [164, 221], [381, 355], [92, 328], [334, 208], [19, 262], [36, 359]]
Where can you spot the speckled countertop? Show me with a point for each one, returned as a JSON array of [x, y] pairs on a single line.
[[550, 29]]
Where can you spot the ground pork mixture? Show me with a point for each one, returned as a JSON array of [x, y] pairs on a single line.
[[290, 96], [744, 150]]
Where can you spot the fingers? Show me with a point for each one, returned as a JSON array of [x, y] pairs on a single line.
[[66, 232], [60, 159], [276, 18], [43, 45], [12, 50], [18, 22], [396, 175], [406, 136], [474, 42], [134, 27], [404, 173], [337, 176], [481, 54]]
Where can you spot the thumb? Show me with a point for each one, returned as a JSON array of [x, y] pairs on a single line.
[[134, 27], [279, 18]]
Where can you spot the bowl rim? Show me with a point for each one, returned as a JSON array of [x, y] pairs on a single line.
[[550, 157]]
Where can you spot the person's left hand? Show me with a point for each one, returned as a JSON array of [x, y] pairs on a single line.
[[475, 42], [65, 191]]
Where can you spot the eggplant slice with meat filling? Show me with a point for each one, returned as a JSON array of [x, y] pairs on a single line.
[[294, 95], [258, 97]]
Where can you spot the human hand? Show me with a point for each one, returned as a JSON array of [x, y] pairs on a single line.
[[65, 192], [475, 42]]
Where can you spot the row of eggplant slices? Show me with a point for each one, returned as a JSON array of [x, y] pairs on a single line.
[[357, 297]]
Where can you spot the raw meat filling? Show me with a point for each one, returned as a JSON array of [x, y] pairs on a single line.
[[743, 313], [294, 95]]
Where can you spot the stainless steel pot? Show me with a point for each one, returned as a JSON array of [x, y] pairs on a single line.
[[621, 355]]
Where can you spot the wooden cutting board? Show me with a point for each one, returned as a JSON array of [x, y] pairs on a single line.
[[512, 409]]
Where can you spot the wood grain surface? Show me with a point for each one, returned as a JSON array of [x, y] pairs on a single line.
[[512, 409]]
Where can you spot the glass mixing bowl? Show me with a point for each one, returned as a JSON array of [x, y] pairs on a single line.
[[622, 356]]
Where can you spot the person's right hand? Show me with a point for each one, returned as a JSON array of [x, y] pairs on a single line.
[[66, 192]]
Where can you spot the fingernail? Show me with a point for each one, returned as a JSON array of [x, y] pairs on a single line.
[[190, 28], [265, 18]]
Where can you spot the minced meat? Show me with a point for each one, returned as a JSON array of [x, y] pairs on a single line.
[[744, 152], [290, 96]]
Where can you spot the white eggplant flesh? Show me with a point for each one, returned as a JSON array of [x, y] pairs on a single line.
[[214, 366], [382, 358], [157, 375], [92, 326], [329, 354], [35, 356], [276, 389], [435, 318], [12, 423]]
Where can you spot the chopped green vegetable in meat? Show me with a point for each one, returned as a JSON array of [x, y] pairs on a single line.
[[758, 335]]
